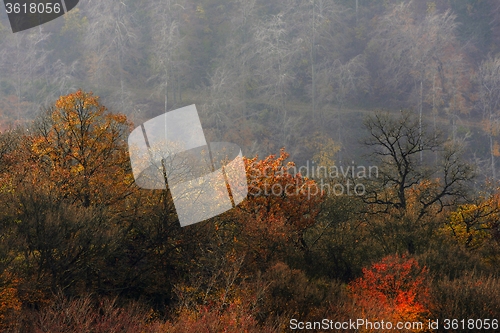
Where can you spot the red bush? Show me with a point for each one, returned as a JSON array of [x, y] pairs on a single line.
[[396, 288]]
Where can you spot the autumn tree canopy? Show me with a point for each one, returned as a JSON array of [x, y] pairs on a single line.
[[80, 149]]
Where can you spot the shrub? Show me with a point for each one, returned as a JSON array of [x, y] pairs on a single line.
[[394, 289], [234, 319], [85, 315], [10, 305], [469, 296]]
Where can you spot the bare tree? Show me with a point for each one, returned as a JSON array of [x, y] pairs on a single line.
[[225, 102], [24, 60], [416, 54], [404, 202], [488, 78], [281, 42], [64, 78], [167, 48], [397, 144], [232, 79], [326, 24], [275, 53], [340, 82], [110, 41]]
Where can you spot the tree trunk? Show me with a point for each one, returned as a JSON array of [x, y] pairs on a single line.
[[492, 152]]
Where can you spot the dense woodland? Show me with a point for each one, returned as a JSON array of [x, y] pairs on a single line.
[[411, 87]]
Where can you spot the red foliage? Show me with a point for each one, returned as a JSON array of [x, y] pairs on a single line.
[[392, 289]]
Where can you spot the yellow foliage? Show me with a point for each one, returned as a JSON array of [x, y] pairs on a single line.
[[73, 21], [471, 224], [324, 149], [82, 148], [431, 7]]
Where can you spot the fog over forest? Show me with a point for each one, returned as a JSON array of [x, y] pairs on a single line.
[[370, 138], [267, 74]]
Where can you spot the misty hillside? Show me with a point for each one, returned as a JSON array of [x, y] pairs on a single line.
[[365, 199], [266, 74]]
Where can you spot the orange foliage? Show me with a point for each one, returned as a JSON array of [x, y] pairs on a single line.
[[10, 305], [393, 289], [234, 319], [281, 205], [81, 150]]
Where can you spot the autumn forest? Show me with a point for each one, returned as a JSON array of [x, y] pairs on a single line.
[[370, 133]]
